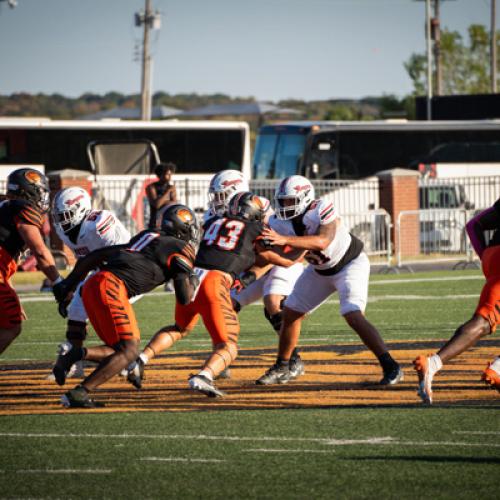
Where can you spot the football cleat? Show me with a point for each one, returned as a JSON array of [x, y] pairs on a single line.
[[425, 375], [76, 370], [204, 385], [296, 367], [392, 377], [79, 398], [275, 375], [135, 374], [67, 356], [491, 374]]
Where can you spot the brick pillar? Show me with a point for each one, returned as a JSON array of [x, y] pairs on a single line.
[[59, 180], [398, 191]]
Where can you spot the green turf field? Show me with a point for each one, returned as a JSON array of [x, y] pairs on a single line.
[[355, 451]]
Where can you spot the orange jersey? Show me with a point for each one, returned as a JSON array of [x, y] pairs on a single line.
[[10, 307], [489, 301]]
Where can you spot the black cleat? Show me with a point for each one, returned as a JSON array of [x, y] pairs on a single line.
[[135, 375], [392, 377], [296, 367], [275, 375], [67, 356], [79, 398]]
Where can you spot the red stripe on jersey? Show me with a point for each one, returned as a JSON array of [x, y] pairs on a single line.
[[101, 224], [326, 209]]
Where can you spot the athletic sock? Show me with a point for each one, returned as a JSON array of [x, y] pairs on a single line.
[[295, 354], [435, 363], [282, 363], [144, 358], [387, 362], [206, 374]]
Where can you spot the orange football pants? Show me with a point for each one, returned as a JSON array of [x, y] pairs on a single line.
[[10, 307], [106, 301], [213, 304], [489, 301]]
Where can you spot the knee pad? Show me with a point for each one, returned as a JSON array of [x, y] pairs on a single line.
[[77, 330], [275, 319]]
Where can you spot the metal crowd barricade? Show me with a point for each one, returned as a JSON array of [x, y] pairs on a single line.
[[437, 234], [373, 228]]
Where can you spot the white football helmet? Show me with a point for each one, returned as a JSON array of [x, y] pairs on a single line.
[[70, 207], [223, 186], [292, 197]]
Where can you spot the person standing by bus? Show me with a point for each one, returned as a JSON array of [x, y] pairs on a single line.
[[162, 192]]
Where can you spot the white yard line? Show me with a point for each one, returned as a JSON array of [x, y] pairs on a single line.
[[480, 433], [178, 459], [64, 471], [427, 280], [266, 450], [376, 441]]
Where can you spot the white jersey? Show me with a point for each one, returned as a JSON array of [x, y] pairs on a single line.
[[268, 211], [100, 229], [319, 213]]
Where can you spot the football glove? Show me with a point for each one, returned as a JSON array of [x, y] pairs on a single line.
[[243, 280], [60, 290]]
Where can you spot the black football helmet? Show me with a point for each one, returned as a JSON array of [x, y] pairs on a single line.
[[30, 185], [180, 222], [247, 206]]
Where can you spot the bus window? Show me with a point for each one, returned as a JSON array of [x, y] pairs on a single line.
[[264, 155], [289, 155]]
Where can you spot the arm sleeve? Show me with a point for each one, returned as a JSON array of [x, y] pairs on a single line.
[[183, 271], [29, 215]]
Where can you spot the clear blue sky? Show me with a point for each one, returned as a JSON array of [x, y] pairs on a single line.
[[268, 49]]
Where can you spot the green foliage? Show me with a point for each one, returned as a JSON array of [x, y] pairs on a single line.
[[465, 66], [56, 106]]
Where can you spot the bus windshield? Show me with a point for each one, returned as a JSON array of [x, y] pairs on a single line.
[[278, 155]]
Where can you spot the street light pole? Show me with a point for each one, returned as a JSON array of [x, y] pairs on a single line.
[[150, 20], [146, 68], [429, 58], [493, 50]]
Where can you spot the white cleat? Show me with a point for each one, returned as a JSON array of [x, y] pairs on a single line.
[[205, 386]]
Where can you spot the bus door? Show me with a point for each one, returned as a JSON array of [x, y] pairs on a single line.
[[321, 159]]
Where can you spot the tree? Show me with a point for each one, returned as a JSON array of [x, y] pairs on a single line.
[[465, 67]]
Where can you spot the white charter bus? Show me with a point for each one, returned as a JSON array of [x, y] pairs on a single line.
[[196, 147]]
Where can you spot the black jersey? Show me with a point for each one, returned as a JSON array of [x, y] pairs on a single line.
[[147, 261], [13, 213], [228, 244]]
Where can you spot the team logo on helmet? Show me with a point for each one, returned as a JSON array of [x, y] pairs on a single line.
[[231, 182], [301, 188], [185, 215], [33, 176]]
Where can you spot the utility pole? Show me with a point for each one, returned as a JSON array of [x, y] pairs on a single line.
[[429, 57], [436, 36], [493, 49], [150, 20]]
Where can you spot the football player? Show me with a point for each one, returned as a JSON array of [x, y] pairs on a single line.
[[276, 284], [83, 230], [486, 317], [148, 260], [21, 220], [336, 263], [225, 259]]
